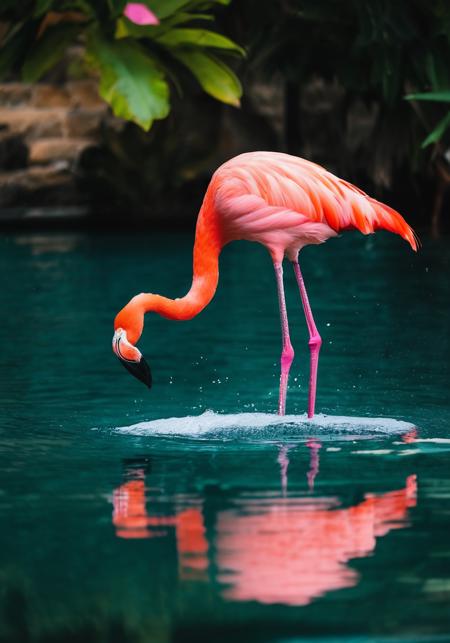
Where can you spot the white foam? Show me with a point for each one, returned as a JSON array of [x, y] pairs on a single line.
[[435, 440], [220, 426], [374, 452]]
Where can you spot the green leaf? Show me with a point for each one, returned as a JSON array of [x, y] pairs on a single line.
[[179, 18], [440, 97], [130, 81], [198, 38], [11, 53], [125, 27], [48, 50], [438, 131], [164, 8], [42, 6], [117, 6], [216, 78], [194, 5]]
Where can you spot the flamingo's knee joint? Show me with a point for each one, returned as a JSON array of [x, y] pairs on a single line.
[[315, 341], [287, 357]]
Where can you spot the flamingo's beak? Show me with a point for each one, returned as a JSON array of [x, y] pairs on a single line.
[[131, 357]]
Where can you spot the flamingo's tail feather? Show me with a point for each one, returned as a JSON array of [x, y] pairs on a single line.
[[368, 214], [389, 219]]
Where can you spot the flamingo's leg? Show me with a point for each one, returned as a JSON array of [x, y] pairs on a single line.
[[315, 341], [287, 353], [283, 461], [313, 446]]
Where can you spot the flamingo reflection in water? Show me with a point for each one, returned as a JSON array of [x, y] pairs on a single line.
[[295, 550], [131, 520], [289, 550]]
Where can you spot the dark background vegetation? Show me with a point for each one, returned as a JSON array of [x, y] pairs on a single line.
[[323, 79]]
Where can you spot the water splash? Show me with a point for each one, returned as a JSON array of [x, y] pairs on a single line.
[[266, 426]]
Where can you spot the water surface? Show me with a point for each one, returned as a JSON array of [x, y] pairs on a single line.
[[119, 524]]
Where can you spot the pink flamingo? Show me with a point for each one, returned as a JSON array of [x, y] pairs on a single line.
[[282, 202]]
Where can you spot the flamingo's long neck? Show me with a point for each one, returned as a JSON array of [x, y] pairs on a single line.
[[207, 247]]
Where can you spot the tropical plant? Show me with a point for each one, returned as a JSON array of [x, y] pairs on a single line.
[[443, 125], [440, 153], [138, 51]]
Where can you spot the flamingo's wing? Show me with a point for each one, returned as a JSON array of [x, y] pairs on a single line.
[[298, 187]]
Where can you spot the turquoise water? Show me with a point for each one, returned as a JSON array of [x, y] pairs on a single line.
[[116, 526]]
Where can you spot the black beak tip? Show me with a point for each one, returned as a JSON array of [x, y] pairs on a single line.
[[140, 370]]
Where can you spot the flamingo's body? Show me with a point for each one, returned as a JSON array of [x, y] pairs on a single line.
[[282, 202]]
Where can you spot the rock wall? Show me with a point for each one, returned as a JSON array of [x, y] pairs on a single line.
[[60, 146], [43, 130]]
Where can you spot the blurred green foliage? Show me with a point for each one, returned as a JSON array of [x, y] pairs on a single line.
[[387, 60], [444, 124], [137, 65], [376, 51]]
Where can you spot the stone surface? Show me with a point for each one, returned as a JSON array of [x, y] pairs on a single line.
[[48, 150], [13, 151], [34, 123], [15, 94], [269, 101], [22, 186], [84, 123], [46, 95], [84, 93], [44, 128]]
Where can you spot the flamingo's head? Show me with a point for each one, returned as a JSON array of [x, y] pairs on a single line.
[[131, 357]]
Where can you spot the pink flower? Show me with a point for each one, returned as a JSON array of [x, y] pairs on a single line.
[[140, 14]]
